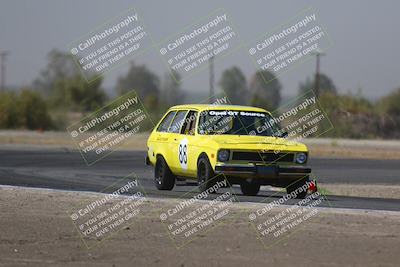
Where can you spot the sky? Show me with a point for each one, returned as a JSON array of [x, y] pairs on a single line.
[[364, 54]]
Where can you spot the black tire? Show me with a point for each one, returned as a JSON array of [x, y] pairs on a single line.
[[293, 187], [164, 179], [205, 174], [249, 189]]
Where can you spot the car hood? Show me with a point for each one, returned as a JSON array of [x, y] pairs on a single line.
[[256, 142]]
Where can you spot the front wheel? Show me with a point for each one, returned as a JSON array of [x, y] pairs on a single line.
[[249, 189], [164, 179], [205, 174]]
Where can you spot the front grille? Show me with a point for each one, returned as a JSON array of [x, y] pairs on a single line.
[[263, 157]]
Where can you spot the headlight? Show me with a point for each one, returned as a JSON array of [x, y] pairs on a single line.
[[301, 158], [223, 155]]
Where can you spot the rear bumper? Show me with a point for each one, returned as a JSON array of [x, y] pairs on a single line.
[[262, 171]]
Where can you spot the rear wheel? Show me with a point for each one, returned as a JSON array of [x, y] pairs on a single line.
[[249, 188], [164, 179], [205, 174], [297, 190]]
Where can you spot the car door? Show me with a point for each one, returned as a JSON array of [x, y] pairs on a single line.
[[160, 138], [177, 155], [186, 145]]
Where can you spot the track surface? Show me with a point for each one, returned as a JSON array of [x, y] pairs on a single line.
[[64, 169]]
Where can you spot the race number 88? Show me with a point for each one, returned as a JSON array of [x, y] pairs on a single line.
[[183, 153]]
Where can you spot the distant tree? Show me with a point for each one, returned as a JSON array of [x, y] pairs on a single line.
[[8, 110], [265, 89], [261, 102], [143, 81], [325, 85], [60, 66], [77, 94], [63, 84], [390, 104], [388, 108], [233, 82], [172, 93], [32, 110]]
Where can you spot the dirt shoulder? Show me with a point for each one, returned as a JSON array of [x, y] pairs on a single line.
[[349, 148], [50, 139], [37, 231], [353, 190], [361, 190], [320, 147]]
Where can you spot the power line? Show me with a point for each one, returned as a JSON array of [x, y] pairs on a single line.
[[211, 67], [317, 54], [3, 56]]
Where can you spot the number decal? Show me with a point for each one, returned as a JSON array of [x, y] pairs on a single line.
[[183, 153]]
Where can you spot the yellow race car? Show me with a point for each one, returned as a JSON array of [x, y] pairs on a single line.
[[245, 144]]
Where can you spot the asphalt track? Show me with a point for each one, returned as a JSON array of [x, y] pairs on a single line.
[[66, 170]]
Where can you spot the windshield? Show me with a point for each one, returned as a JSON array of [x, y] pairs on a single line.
[[236, 122]]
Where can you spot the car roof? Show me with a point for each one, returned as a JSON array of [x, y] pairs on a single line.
[[201, 107]]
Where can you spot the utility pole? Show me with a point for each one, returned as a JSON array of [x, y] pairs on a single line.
[[3, 69], [317, 54], [211, 67]]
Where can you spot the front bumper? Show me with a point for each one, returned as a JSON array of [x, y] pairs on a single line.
[[262, 171]]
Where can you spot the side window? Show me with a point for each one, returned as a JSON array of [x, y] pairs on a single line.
[[202, 123], [190, 123], [163, 127], [176, 124]]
